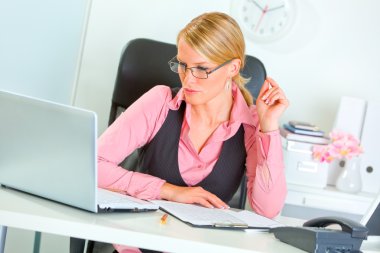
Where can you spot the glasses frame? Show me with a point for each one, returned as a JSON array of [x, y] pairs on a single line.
[[175, 60]]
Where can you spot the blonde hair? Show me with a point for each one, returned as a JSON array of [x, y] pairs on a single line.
[[217, 37]]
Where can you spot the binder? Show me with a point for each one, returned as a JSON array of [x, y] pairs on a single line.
[[350, 116], [203, 217], [370, 162]]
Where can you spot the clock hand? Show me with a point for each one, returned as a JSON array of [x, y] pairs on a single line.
[[257, 5], [261, 17], [275, 8]]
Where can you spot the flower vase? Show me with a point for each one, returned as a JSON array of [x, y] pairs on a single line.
[[349, 179]]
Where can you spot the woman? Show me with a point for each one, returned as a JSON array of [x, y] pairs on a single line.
[[199, 141]]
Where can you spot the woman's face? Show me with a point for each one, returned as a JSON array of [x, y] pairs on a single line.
[[201, 91]]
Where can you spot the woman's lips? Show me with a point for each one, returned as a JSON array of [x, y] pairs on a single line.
[[190, 91]]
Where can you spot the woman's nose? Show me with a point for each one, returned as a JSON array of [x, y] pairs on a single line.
[[188, 76]]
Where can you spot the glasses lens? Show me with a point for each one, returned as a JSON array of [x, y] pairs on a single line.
[[180, 68], [174, 66], [199, 73]]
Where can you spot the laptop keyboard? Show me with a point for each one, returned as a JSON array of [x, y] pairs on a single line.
[[113, 199]]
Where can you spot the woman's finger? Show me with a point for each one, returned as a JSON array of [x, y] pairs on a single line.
[[268, 94], [203, 202], [265, 87], [273, 98], [272, 82], [217, 202], [277, 97], [212, 199]]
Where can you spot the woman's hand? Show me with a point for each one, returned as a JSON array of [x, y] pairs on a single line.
[[191, 195], [270, 104]]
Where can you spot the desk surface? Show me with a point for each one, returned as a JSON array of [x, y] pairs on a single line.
[[135, 229]]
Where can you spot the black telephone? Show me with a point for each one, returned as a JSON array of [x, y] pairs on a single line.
[[314, 237]]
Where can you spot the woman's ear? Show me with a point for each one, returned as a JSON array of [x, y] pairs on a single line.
[[235, 67]]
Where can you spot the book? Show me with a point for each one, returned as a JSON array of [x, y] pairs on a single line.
[[304, 132], [303, 125], [199, 216], [321, 140]]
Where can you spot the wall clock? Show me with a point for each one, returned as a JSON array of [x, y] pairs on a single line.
[[264, 20]]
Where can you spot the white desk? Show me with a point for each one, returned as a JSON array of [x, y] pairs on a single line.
[[144, 230]]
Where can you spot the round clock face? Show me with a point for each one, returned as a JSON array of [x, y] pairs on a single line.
[[264, 20]]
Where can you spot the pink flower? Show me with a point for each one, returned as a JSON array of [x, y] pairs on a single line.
[[343, 145]]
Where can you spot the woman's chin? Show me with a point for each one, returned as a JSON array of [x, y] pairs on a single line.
[[192, 100]]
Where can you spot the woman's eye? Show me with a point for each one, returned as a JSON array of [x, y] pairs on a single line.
[[202, 68], [182, 65]]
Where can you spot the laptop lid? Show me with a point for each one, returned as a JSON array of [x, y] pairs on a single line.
[[371, 218], [48, 149]]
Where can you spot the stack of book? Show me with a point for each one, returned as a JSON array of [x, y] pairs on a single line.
[[304, 132]]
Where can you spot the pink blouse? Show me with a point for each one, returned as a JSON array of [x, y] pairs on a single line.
[[141, 121]]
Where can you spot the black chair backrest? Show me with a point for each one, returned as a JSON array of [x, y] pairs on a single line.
[[144, 64]]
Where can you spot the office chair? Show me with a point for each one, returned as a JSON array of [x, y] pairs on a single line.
[[144, 64]]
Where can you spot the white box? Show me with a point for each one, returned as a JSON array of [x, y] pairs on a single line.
[[300, 168]]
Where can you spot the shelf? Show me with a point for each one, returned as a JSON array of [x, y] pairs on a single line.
[[331, 191], [328, 198]]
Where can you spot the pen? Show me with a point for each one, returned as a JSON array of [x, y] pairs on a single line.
[[164, 218]]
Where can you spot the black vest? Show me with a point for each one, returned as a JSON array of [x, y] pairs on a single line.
[[160, 158]]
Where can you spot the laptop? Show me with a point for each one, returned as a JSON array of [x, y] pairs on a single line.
[[49, 150], [371, 219]]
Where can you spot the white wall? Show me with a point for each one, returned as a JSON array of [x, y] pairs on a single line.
[[330, 52], [40, 46]]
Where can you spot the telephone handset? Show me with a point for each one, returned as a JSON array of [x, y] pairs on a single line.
[[354, 228], [315, 237]]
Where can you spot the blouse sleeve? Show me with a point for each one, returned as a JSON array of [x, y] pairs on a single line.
[[132, 129], [266, 184]]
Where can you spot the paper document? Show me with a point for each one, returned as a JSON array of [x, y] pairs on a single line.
[[199, 216]]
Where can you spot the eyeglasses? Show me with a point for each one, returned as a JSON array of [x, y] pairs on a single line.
[[198, 72]]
